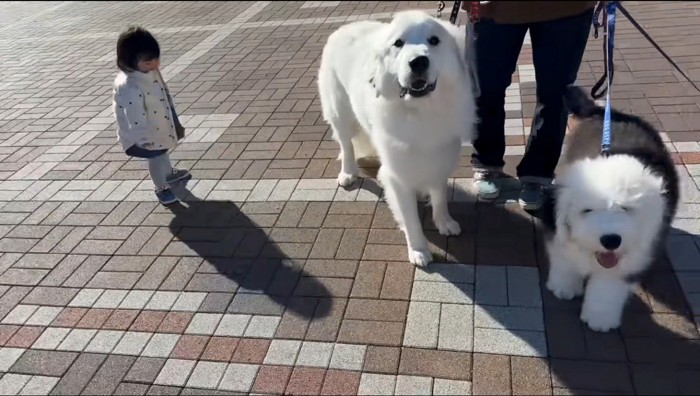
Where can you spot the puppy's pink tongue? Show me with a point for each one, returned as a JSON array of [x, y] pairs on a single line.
[[607, 259]]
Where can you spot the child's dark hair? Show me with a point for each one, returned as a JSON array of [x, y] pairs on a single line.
[[133, 45]]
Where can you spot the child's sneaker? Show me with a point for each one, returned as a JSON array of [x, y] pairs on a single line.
[[166, 196], [178, 175]]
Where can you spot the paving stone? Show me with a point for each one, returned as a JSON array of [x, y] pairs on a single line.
[[160, 345], [437, 364], [126, 388], [371, 332], [508, 318], [305, 380], [262, 326], [492, 374], [232, 325], [491, 286], [20, 314], [377, 384], [251, 350], [456, 327], [104, 341], [189, 347], [12, 384], [48, 363], [8, 357], [207, 375], [422, 324], [203, 324], [76, 340], [39, 385], [175, 372], [510, 342], [43, 316], [523, 287], [530, 376], [80, 374], [451, 387], [239, 377], [132, 343], [413, 385], [443, 292], [282, 352], [220, 349], [145, 369], [315, 354], [272, 379]]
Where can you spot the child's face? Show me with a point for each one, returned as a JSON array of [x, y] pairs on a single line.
[[148, 65]]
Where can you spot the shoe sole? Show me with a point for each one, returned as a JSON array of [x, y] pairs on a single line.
[[488, 197], [169, 202], [529, 206]]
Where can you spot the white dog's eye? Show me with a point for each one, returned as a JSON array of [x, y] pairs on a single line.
[[586, 211], [433, 40], [626, 209], [398, 43]]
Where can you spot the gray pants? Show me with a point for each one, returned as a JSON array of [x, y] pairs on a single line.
[[160, 168]]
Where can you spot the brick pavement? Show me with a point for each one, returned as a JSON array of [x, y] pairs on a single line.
[[271, 279]]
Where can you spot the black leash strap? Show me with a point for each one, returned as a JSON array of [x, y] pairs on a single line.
[[602, 83], [455, 12], [658, 48]]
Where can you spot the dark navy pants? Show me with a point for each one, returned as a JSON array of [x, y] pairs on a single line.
[[557, 51]]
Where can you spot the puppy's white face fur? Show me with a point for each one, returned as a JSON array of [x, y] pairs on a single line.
[[418, 55], [609, 207]]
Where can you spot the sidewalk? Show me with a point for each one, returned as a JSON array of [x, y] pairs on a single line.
[[273, 279]]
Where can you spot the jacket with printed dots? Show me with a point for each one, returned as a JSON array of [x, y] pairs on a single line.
[[142, 110]]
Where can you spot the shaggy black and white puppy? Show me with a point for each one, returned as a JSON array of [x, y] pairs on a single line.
[[608, 216]]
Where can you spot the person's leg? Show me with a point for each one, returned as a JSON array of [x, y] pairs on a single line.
[[497, 50], [557, 51], [160, 169]]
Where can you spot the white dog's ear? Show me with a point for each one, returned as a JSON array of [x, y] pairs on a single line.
[[379, 75], [562, 212], [459, 35]]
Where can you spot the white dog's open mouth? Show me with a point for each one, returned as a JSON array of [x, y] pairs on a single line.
[[607, 259], [418, 89]]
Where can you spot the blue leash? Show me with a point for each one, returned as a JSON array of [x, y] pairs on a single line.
[[607, 134], [611, 7]]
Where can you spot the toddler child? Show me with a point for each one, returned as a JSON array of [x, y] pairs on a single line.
[[147, 124]]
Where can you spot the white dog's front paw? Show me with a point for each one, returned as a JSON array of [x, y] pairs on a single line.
[[565, 289], [421, 257], [346, 179], [600, 318], [448, 227]]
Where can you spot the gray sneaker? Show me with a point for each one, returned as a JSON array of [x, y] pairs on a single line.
[[531, 196], [178, 175], [486, 184]]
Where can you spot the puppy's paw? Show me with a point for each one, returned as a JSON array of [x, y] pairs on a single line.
[[448, 226], [420, 258], [346, 179], [565, 289], [600, 319]]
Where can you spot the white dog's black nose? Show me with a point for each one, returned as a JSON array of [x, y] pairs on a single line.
[[419, 64], [611, 241]]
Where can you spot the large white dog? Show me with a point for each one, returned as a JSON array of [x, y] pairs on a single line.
[[402, 91]]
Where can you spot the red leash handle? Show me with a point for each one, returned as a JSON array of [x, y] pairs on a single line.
[[474, 12]]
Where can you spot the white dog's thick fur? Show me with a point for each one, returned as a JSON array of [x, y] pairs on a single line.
[[610, 214], [380, 102], [616, 195]]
